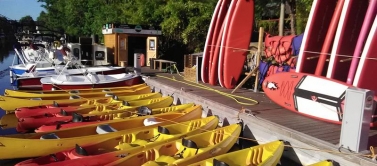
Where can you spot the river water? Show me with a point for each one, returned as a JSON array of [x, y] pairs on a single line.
[[6, 59]]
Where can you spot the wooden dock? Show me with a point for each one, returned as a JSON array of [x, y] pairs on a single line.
[[308, 140]]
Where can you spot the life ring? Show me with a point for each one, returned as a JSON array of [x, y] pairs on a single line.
[[57, 44]]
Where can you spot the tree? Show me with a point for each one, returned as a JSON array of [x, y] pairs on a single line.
[[184, 22], [302, 13], [28, 23]]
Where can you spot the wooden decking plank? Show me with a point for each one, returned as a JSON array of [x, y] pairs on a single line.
[[268, 110]]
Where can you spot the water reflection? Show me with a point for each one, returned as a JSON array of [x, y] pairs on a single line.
[[5, 51], [6, 59]]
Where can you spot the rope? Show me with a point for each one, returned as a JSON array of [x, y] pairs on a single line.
[[373, 154], [197, 85], [312, 52]]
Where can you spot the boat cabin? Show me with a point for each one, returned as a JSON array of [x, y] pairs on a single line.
[[89, 53], [124, 40]]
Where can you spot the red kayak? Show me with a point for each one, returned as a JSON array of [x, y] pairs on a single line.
[[52, 116], [41, 111], [79, 120], [53, 111], [76, 157], [28, 124], [25, 112]]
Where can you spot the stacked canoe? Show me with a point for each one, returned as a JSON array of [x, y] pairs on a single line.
[[119, 126], [228, 37]]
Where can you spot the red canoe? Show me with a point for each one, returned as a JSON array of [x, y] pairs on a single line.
[[237, 40]]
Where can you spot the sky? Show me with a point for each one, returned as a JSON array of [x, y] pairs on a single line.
[[16, 9]]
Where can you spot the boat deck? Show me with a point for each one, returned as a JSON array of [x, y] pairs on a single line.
[[280, 122]]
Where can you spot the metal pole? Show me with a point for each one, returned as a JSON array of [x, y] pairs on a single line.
[[281, 20]]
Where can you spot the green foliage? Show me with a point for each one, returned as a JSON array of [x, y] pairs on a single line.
[[302, 13], [184, 23], [6, 32], [29, 23]]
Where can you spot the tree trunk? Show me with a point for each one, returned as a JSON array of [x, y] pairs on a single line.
[[290, 6]]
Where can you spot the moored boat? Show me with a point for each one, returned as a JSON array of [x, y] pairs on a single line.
[[268, 154], [113, 148], [186, 151], [89, 81], [39, 66], [56, 121], [41, 144], [32, 79]]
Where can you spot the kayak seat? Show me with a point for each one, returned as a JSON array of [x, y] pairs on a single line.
[[105, 128], [55, 104], [138, 142], [163, 130], [81, 151], [190, 148], [74, 91], [219, 163], [63, 112], [150, 121], [49, 136], [77, 117], [115, 97], [74, 97], [189, 143], [162, 160], [36, 98], [143, 110], [109, 95], [126, 103]]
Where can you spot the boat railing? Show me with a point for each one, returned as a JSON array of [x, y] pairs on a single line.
[[70, 61], [19, 57]]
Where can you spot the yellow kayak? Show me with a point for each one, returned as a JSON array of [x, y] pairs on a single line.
[[111, 149], [323, 163], [262, 155], [35, 94], [127, 112], [118, 107], [189, 150], [9, 104], [40, 144]]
